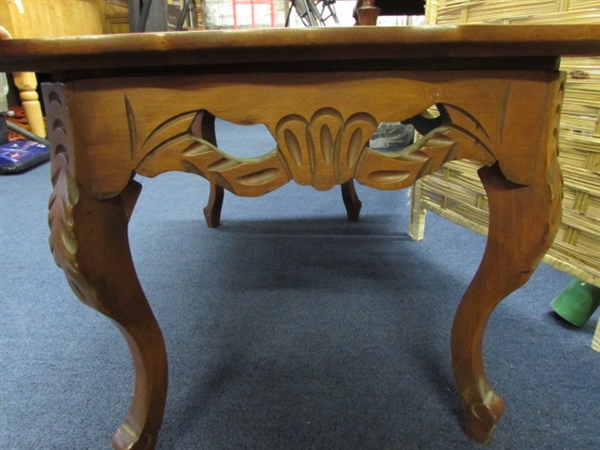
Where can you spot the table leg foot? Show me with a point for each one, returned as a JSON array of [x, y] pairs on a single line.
[[481, 419], [351, 200], [523, 223]]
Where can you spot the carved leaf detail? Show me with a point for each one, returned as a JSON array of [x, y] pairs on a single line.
[[401, 169], [65, 193], [258, 178], [293, 147], [321, 151], [324, 130], [291, 137], [178, 125], [389, 176], [327, 143], [178, 144], [132, 128], [470, 133], [357, 131]]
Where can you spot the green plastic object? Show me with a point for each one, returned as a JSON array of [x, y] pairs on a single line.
[[577, 302]]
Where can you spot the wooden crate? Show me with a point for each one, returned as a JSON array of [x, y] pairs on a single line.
[[456, 193]]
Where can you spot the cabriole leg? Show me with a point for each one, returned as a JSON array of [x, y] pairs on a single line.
[[108, 283], [523, 223], [89, 242]]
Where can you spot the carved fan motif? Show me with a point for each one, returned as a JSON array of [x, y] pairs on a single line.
[[321, 151]]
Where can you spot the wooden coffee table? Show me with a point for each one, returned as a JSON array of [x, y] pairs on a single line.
[[123, 105]]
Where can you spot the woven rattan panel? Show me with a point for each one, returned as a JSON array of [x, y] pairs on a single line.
[[456, 193]]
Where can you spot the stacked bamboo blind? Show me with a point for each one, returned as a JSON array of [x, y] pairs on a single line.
[[456, 193]]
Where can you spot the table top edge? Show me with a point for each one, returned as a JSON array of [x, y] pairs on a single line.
[[310, 44]]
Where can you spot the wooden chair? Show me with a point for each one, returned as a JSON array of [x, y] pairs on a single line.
[[43, 18]]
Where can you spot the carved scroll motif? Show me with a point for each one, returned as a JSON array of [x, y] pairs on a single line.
[[65, 194], [322, 151]]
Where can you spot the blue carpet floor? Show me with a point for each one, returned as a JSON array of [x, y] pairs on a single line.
[[287, 328]]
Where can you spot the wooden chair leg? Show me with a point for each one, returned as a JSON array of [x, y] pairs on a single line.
[[351, 200], [523, 223], [368, 13], [26, 82]]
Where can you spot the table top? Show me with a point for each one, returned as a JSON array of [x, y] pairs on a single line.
[[326, 45]]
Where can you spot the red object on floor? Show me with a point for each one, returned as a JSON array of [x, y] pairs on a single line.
[[19, 119]]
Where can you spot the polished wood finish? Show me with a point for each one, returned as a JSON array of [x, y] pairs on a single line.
[[327, 47], [124, 106]]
